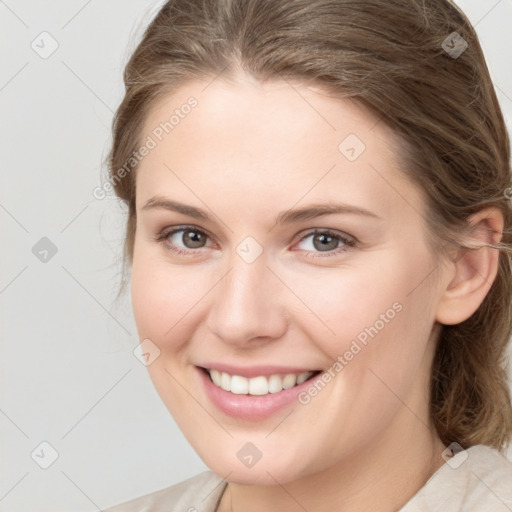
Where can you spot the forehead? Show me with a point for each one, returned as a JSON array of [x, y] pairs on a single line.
[[292, 108], [272, 139]]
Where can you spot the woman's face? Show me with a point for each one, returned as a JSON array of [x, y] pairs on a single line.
[[277, 237]]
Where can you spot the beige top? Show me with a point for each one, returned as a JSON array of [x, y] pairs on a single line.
[[476, 480]]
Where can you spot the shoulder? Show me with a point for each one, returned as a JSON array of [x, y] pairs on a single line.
[[200, 493], [479, 478]]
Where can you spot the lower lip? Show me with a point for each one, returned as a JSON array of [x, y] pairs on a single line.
[[250, 407]]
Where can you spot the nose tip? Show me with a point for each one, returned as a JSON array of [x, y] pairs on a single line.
[[247, 305]]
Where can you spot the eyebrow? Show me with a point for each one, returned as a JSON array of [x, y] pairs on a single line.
[[286, 217]]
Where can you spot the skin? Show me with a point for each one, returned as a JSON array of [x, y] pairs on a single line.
[[246, 153]]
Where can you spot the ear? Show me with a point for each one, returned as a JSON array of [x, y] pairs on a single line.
[[471, 271]]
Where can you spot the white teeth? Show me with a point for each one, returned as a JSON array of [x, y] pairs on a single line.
[[225, 381], [257, 385], [302, 377], [275, 384], [239, 385], [289, 381], [215, 375]]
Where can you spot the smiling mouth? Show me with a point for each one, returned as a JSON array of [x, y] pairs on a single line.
[[257, 386]]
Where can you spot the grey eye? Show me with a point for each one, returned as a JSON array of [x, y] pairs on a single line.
[[188, 238], [193, 239], [324, 242], [321, 242]]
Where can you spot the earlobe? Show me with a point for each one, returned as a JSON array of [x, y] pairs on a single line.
[[472, 271]]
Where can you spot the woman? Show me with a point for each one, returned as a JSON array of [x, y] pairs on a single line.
[[319, 240]]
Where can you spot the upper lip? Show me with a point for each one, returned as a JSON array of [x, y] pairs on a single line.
[[255, 371]]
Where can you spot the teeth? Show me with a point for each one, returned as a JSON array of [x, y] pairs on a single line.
[[289, 381], [257, 385], [216, 377], [275, 384], [302, 377], [225, 381], [239, 385]]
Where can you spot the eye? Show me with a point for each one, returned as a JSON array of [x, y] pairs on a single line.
[[325, 241], [187, 239], [183, 240]]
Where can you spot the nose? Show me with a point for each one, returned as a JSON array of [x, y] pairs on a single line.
[[248, 305]]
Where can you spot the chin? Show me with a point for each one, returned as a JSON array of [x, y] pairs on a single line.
[[266, 471], [264, 476]]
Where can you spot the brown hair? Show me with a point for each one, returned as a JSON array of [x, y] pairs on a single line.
[[394, 58]]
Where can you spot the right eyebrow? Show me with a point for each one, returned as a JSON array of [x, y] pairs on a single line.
[[175, 206]]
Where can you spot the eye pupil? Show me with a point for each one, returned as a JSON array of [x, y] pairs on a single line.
[[193, 239], [326, 242]]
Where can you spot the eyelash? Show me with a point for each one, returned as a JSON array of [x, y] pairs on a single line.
[[349, 243]]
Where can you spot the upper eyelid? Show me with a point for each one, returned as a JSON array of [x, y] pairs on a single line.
[[340, 234], [174, 229]]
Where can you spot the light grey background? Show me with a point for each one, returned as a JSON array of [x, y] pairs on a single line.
[[68, 373]]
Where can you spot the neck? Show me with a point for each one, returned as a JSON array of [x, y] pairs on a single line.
[[380, 479]]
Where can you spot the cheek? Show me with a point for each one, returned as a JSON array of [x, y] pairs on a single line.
[[162, 295], [163, 300], [344, 303], [374, 317]]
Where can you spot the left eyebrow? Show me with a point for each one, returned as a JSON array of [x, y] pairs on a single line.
[[286, 217], [317, 210]]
